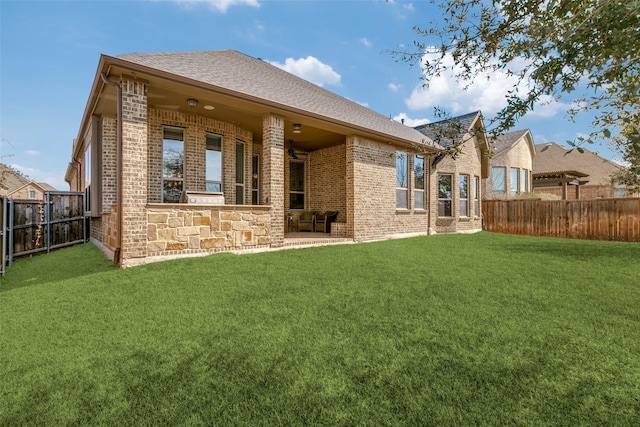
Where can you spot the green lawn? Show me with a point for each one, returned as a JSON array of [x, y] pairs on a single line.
[[481, 329]]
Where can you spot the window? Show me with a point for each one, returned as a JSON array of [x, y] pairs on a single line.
[[32, 194], [239, 173], [498, 179], [296, 185], [213, 163], [476, 196], [172, 164], [515, 181], [525, 180], [619, 189], [445, 190], [255, 179], [464, 195], [87, 179], [402, 180], [419, 183]]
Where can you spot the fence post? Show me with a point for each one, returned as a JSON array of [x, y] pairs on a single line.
[[3, 234], [47, 219], [10, 261], [84, 219]]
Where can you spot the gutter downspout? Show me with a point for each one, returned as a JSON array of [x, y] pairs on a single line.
[[117, 254]]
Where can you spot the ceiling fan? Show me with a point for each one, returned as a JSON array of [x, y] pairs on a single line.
[[291, 151]]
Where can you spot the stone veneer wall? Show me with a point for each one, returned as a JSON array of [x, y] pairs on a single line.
[[180, 229]]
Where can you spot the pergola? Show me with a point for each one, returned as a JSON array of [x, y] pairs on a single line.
[[560, 178]]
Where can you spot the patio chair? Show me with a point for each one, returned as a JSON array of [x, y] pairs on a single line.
[[306, 221], [324, 220]]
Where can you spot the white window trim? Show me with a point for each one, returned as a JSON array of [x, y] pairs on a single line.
[[183, 159]]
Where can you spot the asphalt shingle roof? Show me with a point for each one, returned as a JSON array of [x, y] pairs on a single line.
[[10, 180], [552, 158], [435, 130], [246, 75], [506, 140]]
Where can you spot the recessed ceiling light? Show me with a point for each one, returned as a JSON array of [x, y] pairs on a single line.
[[209, 107]]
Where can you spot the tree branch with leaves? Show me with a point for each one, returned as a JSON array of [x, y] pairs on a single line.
[[588, 49]]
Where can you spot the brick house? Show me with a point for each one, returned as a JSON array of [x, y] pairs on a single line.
[[456, 179], [192, 153], [572, 175], [16, 186], [510, 166]]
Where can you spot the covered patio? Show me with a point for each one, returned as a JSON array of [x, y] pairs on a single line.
[[307, 239]]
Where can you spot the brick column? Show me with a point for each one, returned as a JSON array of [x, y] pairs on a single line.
[[272, 184], [350, 184], [134, 169]]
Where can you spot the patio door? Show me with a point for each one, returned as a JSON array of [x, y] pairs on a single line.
[[296, 184]]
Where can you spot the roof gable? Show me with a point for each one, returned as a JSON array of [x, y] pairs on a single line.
[[10, 179], [508, 140], [444, 133]]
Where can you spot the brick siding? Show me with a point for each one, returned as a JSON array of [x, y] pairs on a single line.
[[468, 162], [519, 156]]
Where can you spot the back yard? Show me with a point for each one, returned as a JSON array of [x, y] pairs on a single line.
[[481, 329]]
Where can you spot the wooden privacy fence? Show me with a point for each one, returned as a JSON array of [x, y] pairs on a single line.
[[33, 226], [601, 219]]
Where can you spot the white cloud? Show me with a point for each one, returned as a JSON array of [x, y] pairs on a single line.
[[394, 87], [33, 152], [408, 6], [55, 179], [540, 138], [366, 42], [310, 69], [219, 5], [488, 93], [409, 121]]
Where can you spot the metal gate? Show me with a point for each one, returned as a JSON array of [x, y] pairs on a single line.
[[34, 226], [3, 234]]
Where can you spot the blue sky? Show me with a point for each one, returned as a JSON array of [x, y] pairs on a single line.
[[49, 52]]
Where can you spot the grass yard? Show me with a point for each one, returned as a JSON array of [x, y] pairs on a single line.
[[481, 329]]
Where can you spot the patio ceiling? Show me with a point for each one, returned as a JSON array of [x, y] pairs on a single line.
[[164, 94]]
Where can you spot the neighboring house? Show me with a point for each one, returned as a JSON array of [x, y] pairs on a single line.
[[510, 166], [192, 153], [455, 179], [16, 186], [574, 175]]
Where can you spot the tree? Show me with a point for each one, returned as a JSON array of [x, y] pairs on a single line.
[[587, 48]]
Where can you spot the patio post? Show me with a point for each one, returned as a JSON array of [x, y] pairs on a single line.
[[133, 181], [272, 184]]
